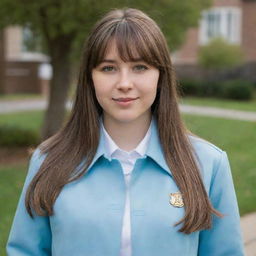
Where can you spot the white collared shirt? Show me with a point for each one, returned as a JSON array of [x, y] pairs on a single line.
[[127, 161]]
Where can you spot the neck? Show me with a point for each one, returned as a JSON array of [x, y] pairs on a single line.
[[127, 135]]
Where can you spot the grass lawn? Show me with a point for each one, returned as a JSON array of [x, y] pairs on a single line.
[[31, 120], [236, 137], [220, 103], [11, 183]]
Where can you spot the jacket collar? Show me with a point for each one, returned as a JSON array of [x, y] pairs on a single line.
[[100, 150], [154, 150]]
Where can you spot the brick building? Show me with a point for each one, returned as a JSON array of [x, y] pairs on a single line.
[[234, 20], [21, 70]]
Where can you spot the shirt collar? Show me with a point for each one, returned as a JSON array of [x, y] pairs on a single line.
[[154, 149], [111, 147]]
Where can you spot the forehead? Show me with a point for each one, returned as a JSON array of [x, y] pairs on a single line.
[[120, 50], [112, 52]]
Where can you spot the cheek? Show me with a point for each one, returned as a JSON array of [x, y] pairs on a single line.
[[100, 88], [98, 91], [101, 96], [150, 87]]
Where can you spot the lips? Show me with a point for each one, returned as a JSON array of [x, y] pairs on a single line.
[[124, 99]]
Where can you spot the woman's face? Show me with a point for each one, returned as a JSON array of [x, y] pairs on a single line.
[[124, 90]]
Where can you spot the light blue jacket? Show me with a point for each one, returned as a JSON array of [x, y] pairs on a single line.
[[88, 212]]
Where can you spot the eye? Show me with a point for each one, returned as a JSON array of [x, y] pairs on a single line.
[[140, 67], [107, 68]]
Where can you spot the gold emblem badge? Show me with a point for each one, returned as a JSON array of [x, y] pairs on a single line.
[[176, 199]]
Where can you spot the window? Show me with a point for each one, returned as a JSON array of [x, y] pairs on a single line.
[[222, 22], [30, 40]]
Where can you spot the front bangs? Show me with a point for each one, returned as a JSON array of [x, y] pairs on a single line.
[[132, 44]]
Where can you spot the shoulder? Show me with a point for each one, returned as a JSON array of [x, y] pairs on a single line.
[[37, 155], [36, 161], [211, 159], [204, 147]]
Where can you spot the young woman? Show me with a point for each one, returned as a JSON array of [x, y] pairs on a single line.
[[124, 176]]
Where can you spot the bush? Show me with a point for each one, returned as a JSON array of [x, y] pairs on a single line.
[[16, 136], [219, 54], [231, 89], [199, 88], [237, 90], [209, 89], [189, 87]]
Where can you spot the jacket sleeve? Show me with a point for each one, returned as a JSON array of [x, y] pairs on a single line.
[[224, 238], [29, 237]]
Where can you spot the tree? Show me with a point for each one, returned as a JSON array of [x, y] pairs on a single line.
[[64, 24], [2, 61]]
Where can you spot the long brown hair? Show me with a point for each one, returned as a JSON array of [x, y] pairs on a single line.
[[134, 33]]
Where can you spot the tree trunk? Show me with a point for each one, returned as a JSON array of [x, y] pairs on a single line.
[[2, 62], [59, 86]]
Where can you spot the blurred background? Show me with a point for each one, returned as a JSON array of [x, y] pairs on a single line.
[[212, 46]]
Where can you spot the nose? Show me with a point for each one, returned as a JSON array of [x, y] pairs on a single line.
[[124, 82]]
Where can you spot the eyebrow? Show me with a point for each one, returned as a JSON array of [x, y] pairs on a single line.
[[114, 61]]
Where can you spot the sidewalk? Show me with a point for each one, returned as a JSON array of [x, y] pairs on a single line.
[[219, 112], [248, 222], [24, 105], [248, 225]]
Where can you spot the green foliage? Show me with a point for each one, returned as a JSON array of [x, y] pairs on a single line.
[[230, 89], [237, 90], [220, 54], [15, 136], [199, 88], [189, 87]]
